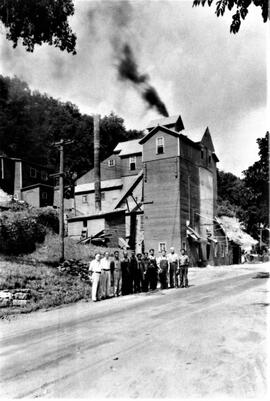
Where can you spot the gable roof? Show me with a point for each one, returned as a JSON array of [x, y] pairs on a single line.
[[207, 140], [169, 122], [128, 147], [107, 184], [155, 130]]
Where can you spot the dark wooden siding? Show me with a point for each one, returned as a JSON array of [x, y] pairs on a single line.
[[170, 147], [161, 203], [125, 170], [106, 172]]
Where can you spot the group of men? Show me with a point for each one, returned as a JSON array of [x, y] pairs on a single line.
[[137, 273]]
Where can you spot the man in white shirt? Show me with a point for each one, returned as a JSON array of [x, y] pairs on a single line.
[[163, 265], [105, 276], [95, 272], [173, 268]]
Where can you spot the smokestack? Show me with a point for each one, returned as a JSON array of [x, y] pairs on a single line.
[[97, 163]]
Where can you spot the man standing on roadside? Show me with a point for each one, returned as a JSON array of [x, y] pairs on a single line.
[[126, 279], [106, 276], [173, 267], [95, 272], [183, 266], [146, 263], [134, 274], [117, 274], [152, 270], [141, 272], [163, 266]]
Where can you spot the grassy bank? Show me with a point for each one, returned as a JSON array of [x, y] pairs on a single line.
[[48, 287], [49, 251]]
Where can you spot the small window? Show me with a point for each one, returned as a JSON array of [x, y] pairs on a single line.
[[202, 154], [102, 195], [2, 175], [111, 163], [162, 246], [160, 145], [44, 175], [222, 250], [209, 159], [132, 163], [44, 195], [33, 172], [84, 199]]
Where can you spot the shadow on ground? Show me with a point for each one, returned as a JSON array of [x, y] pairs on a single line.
[[261, 275]]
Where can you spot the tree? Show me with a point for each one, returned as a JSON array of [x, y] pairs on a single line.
[[239, 7], [256, 199], [37, 22], [31, 122]]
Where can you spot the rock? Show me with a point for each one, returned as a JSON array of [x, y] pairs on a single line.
[[5, 302], [5, 294], [20, 302], [21, 295]]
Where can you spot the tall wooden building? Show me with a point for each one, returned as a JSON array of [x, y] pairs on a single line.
[[166, 184], [180, 189]]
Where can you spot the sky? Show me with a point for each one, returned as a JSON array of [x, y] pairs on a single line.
[[210, 77]]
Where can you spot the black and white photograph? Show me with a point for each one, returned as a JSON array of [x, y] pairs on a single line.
[[134, 199]]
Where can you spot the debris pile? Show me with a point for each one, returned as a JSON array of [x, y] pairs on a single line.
[[75, 268], [18, 297]]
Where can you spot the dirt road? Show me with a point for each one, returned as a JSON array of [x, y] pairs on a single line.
[[205, 341]]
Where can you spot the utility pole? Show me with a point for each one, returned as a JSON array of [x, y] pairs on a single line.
[[97, 162], [61, 144]]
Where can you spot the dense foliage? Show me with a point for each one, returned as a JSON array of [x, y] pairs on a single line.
[[31, 122], [240, 9], [21, 230], [247, 199], [37, 22]]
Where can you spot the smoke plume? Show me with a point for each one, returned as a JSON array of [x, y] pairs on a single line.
[[128, 70]]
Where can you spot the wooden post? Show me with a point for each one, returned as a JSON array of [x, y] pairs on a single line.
[[61, 198], [60, 145], [97, 163]]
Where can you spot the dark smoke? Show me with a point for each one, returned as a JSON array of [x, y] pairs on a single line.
[[128, 70]]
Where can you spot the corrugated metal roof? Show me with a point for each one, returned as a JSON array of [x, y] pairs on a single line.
[[104, 184], [128, 147]]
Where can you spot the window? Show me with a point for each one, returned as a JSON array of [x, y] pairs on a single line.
[[160, 145], [44, 175], [202, 154], [111, 163], [209, 158], [2, 175], [84, 199], [216, 250], [162, 246], [44, 195], [102, 195], [132, 163], [222, 250], [33, 172]]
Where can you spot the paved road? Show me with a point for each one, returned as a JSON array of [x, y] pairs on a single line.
[[207, 340]]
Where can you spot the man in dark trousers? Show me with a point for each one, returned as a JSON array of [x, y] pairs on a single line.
[[183, 267], [141, 272], [134, 273], [116, 274], [163, 266], [146, 263], [126, 279], [153, 270]]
